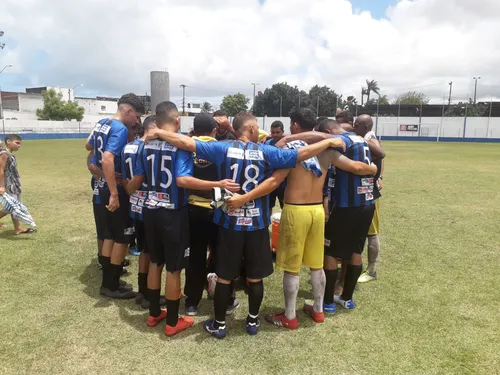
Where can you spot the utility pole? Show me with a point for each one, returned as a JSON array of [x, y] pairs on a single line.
[[183, 99], [253, 103], [281, 106], [475, 87], [449, 97]]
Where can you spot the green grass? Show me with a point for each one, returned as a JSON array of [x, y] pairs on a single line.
[[434, 310]]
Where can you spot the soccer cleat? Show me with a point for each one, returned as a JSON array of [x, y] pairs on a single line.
[[318, 317], [349, 305], [145, 302], [252, 327], [218, 333], [117, 294], [182, 324], [212, 283], [139, 298], [280, 320], [132, 250], [191, 310], [366, 277], [124, 271], [233, 307], [154, 320], [329, 309], [125, 286], [126, 263]]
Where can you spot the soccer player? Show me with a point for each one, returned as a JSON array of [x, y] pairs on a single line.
[[108, 139], [363, 127], [10, 181], [166, 218], [277, 133], [346, 120], [225, 131], [301, 237], [203, 234], [243, 236]]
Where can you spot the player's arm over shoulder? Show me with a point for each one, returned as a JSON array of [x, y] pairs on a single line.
[[376, 149], [356, 167]]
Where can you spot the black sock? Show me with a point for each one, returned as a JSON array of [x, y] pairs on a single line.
[[232, 294], [351, 279], [221, 301], [255, 297], [154, 302], [173, 312], [105, 271], [142, 283], [331, 279], [100, 259], [114, 276]]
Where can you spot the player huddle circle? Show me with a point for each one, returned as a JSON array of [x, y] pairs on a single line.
[[213, 191]]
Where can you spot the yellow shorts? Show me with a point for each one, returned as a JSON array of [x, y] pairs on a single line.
[[301, 238], [375, 225]]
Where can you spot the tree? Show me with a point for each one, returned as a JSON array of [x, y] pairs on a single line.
[[327, 100], [412, 97], [371, 86], [384, 100], [233, 104], [470, 109], [278, 100], [206, 107], [54, 108], [363, 93], [351, 103]]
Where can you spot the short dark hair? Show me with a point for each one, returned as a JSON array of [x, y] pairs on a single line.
[[304, 117], [132, 100], [149, 122], [320, 119], [241, 118], [166, 112], [221, 113], [12, 137], [278, 124], [203, 124], [327, 124], [345, 115]]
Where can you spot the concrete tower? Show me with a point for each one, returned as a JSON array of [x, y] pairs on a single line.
[[160, 88]]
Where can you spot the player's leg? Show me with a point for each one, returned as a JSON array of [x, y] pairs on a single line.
[[176, 247], [373, 247], [228, 262], [314, 259], [144, 260], [258, 262]]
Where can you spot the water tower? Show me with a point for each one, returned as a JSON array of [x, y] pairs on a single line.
[[160, 88]]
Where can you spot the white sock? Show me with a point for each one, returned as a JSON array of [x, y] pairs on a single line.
[[318, 281], [291, 289], [373, 253]]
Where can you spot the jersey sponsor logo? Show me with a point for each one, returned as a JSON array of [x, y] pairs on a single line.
[[133, 199], [331, 182], [153, 195], [327, 243], [168, 206], [356, 139], [168, 147], [141, 193], [129, 231], [102, 128], [244, 221], [252, 212], [140, 202], [367, 181], [151, 203], [136, 209], [153, 145], [254, 155], [235, 153], [365, 189], [249, 204], [186, 252], [96, 191], [237, 212], [369, 197], [131, 149]]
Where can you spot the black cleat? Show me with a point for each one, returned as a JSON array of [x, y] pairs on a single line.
[[117, 294]]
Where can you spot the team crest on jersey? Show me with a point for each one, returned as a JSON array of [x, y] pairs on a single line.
[[254, 155], [131, 149], [252, 212], [367, 181], [356, 139], [153, 145], [235, 153], [136, 209], [244, 221], [237, 212], [168, 147]]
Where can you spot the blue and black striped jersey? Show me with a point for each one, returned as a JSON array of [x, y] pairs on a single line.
[[329, 187], [248, 165], [161, 163], [130, 157], [352, 190]]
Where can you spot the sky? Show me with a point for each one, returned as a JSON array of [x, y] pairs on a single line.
[[218, 47]]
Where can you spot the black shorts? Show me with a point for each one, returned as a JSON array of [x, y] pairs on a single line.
[[119, 227], [140, 236], [167, 237], [346, 231], [250, 249], [100, 220]]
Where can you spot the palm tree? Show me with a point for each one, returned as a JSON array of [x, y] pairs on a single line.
[[351, 102], [371, 86], [206, 107]]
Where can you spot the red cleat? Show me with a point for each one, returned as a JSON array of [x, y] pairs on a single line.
[[182, 324], [154, 320], [280, 320], [318, 317]]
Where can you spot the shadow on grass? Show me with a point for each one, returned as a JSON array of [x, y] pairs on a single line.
[[91, 278], [10, 235]]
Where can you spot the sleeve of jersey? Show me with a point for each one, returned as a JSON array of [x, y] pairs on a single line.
[[184, 164], [281, 159], [212, 151], [116, 141], [91, 139]]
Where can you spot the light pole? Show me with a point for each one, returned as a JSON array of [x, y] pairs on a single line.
[[475, 87], [1, 104], [253, 103], [69, 92]]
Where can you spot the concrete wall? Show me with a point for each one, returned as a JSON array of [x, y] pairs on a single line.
[[160, 88]]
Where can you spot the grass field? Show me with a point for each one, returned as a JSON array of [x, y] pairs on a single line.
[[434, 310]]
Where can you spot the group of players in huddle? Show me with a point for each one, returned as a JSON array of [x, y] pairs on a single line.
[[154, 183]]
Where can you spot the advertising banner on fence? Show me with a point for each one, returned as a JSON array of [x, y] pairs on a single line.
[[408, 128]]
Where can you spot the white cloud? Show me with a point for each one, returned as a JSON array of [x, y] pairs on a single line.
[[220, 46]]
